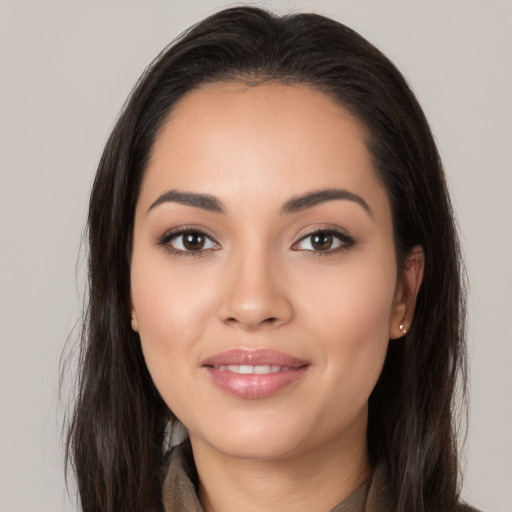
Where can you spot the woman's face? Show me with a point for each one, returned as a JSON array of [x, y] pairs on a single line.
[[263, 274]]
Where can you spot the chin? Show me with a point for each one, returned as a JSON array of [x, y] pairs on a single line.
[[264, 447], [269, 439], [264, 439]]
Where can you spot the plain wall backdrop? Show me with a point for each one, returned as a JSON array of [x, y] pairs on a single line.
[[66, 68]]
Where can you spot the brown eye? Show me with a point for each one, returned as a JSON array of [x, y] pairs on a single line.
[[322, 241], [193, 241], [188, 241]]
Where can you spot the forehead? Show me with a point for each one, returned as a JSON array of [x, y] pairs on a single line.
[[263, 141]]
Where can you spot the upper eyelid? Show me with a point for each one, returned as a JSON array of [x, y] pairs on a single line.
[[174, 232], [335, 231], [346, 239], [326, 229]]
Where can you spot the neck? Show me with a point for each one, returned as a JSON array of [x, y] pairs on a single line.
[[316, 479]]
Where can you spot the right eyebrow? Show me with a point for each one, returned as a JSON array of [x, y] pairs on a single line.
[[203, 201]]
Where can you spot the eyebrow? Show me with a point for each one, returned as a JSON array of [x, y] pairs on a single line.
[[203, 201], [300, 203], [294, 205]]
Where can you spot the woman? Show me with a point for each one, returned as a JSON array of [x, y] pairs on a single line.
[[274, 265]]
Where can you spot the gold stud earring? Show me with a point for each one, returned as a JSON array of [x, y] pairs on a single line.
[[403, 330]]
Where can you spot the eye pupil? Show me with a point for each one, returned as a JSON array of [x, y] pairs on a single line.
[[321, 241], [193, 241]]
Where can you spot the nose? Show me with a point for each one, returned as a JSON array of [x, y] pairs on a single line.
[[255, 295]]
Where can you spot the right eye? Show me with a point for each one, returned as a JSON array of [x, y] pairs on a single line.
[[191, 241]]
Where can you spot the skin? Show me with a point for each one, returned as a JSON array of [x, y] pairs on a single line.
[[258, 282]]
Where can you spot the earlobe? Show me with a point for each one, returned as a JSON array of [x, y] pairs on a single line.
[[135, 323], [407, 292]]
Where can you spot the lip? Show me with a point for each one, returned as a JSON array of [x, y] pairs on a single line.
[[254, 385], [254, 357]]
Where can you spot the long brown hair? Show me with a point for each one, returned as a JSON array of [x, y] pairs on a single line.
[[119, 430]]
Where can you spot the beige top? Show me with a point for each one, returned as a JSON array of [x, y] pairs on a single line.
[[179, 493]]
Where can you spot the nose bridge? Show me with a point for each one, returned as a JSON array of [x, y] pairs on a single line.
[[255, 295]]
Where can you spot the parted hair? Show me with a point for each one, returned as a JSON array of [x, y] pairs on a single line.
[[118, 430]]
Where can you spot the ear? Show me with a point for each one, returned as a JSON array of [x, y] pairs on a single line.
[[135, 322], [406, 292]]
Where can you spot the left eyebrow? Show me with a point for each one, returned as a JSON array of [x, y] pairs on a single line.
[[300, 203]]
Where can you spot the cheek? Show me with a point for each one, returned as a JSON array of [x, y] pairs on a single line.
[[172, 314], [172, 310], [350, 312], [356, 296]]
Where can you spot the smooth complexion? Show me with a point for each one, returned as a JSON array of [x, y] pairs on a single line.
[[229, 262]]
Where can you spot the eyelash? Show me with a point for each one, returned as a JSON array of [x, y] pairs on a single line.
[[346, 242], [169, 236]]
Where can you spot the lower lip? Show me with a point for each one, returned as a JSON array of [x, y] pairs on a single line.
[[254, 386]]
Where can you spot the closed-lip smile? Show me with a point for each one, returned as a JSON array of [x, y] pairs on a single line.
[[254, 374]]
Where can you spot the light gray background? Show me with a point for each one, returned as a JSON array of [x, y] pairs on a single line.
[[66, 68]]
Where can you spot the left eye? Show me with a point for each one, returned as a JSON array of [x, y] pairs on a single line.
[[190, 241], [323, 241]]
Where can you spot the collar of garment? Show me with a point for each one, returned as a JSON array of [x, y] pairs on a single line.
[[179, 491]]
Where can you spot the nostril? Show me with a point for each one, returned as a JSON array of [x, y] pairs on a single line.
[[267, 321]]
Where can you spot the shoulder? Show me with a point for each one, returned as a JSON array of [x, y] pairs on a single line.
[[382, 499]]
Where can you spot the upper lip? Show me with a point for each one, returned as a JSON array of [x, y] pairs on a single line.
[[254, 357]]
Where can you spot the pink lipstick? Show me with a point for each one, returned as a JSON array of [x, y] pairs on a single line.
[[253, 374]]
